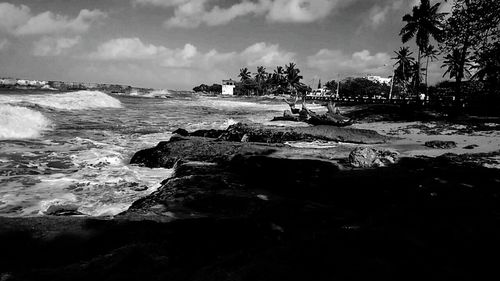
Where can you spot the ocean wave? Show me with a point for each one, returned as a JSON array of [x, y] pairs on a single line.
[[21, 123], [79, 100]]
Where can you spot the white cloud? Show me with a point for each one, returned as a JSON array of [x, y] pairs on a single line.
[[50, 46], [160, 3], [193, 13], [379, 13], [363, 62], [178, 67], [133, 49], [126, 49], [12, 16], [300, 10], [266, 55], [19, 20]]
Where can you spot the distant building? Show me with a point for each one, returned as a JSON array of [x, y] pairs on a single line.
[[228, 87], [320, 92], [381, 80]]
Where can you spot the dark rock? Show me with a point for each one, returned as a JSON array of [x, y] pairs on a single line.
[[207, 133], [165, 154], [266, 134], [441, 144], [286, 118], [181, 132], [63, 210], [199, 133], [177, 137], [472, 146], [365, 157], [319, 222]]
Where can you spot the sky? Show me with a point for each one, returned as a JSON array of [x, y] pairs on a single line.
[[178, 44]]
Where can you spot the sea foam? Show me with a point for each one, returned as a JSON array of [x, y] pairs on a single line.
[[20, 123], [79, 100]]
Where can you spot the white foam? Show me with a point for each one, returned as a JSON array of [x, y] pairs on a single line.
[[157, 94], [67, 101], [228, 104], [21, 123]]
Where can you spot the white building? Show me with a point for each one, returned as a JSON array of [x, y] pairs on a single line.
[[228, 87], [380, 80]]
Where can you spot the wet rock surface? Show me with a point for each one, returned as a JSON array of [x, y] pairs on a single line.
[[167, 153], [237, 210], [270, 134], [260, 217]]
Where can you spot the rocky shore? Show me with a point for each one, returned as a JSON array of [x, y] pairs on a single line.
[[244, 205]]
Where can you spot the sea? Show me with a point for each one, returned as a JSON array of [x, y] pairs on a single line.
[[71, 150]]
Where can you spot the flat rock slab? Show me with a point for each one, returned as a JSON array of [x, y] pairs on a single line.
[[165, 154], [270, 134]]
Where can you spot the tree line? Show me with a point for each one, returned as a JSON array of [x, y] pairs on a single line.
[[467, 40], [287, 80]]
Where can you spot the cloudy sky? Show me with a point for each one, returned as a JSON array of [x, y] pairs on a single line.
[[177, 44]]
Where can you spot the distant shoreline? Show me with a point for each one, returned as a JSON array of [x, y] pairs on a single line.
[[26, 84]]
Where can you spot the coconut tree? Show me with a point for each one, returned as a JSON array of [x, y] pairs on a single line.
[[430, 53], [260, 78], [453, 64], [488, 67], [278, 75], [247, 83], [423, 23], [403, 66], [293, 78], [244, 74]]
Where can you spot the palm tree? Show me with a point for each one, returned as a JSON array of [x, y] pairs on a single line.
[[430, 53], [404, 65], [260, 77], [244, 74], [292, 78], [278, 75], [424, 22], [453, 63], [488, 67]]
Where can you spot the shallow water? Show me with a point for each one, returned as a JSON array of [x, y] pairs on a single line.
[[73, 149]]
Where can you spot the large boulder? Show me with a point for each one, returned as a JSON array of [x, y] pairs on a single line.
[[366, 157], [167, 153]]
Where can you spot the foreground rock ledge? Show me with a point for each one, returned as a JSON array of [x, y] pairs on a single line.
[[255, 217]]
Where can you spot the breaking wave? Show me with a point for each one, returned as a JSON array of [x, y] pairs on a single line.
[[21, 123], [67, 101]]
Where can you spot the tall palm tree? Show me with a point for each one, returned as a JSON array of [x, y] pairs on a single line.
[[261, 74], [430, 53], [292, 78], [453, 63], [244, 74], [424, 22], [404, 66], [278, 75], [260, 78]]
